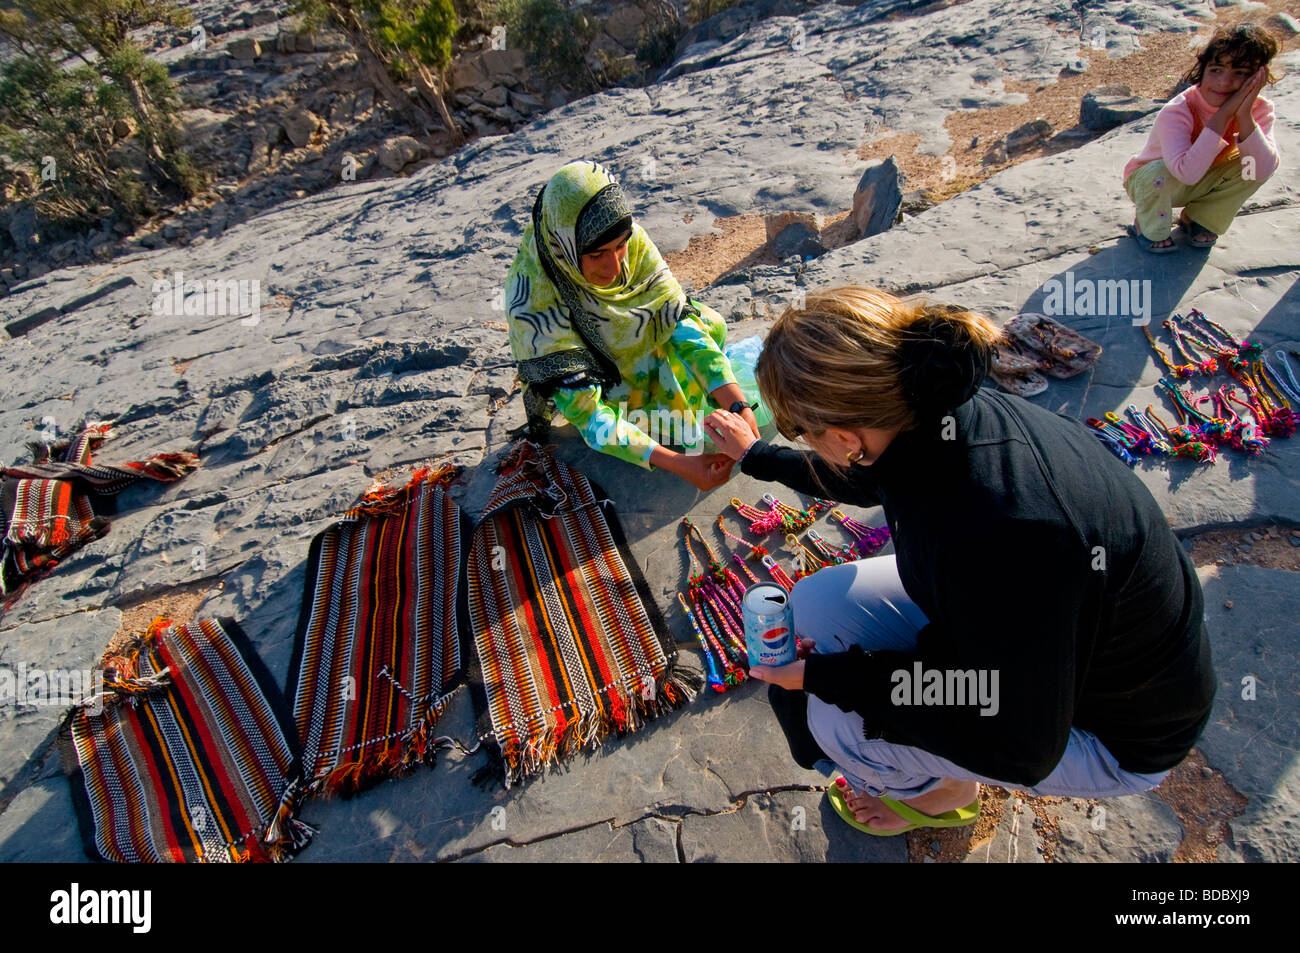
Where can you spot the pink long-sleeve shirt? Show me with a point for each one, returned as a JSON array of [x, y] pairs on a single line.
[[1188, 160]]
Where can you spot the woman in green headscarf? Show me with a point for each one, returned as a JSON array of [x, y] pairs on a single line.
[[604, 333]]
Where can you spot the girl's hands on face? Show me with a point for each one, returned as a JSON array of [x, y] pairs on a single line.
[[1250, 91], [731, 432]]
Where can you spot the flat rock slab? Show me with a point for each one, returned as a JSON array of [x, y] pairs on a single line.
[[1254, 732]]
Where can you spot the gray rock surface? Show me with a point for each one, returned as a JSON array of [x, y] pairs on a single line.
[[1109, 106], [1255, 729], [379, 343]]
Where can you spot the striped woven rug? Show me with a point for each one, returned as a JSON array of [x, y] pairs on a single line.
[[189, 755], [570, 646], [379, 643], [48, 507]]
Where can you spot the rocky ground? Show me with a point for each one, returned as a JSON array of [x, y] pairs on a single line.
[[380, 342]]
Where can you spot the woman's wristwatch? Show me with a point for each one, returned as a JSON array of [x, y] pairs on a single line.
[[740, 405]]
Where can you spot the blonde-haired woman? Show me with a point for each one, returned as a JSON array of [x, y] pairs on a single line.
[[1039, 625]]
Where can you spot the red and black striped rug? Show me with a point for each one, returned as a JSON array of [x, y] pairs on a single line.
[[48, 505], [379, 648], [187, 753], [569, 644]]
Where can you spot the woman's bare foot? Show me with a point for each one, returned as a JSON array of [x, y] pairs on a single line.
[[947, 795]]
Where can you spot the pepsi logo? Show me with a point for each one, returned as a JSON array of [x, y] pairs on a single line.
[[774, 638]]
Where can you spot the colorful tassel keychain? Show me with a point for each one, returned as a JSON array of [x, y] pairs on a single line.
[[1247, 435], [716, 592], [1156, 438], [1184, 441], [804, 558], [771, 565], [837, 555], [868, 540], [1275, 417], [718, 682]]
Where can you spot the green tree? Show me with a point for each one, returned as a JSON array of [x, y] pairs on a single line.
[[75, 29], [398, 40]]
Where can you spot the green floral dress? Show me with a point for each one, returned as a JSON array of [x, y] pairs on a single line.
[[632, 364]]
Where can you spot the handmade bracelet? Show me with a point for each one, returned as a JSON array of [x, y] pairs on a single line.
[[1178, 370], [1239, 353], [1290, 386], [1206, 366]]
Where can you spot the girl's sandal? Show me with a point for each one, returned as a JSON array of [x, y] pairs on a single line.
[[1147, 244], [1065, 352], [1190, 229]]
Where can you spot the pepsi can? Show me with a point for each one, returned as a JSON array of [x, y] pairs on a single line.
[[769, 624]]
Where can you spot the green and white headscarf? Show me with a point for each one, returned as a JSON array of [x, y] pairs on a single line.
[[565, 331]]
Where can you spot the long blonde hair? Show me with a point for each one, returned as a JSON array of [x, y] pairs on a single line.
[[858, 357]]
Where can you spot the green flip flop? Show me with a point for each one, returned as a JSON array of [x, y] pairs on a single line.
[[960, 817]]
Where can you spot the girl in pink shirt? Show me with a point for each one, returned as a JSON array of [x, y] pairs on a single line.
[[1211, 146]]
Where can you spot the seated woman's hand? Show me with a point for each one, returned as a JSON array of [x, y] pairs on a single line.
[[705, 471], [731, 432]]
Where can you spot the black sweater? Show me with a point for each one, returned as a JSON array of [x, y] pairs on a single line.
[[1036, 553]]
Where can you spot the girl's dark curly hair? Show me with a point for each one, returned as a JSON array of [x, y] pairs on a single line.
[[1245, 46]]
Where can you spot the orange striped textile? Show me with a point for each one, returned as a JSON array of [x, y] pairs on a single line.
[[569, 644], [379, 647], [187, 755]]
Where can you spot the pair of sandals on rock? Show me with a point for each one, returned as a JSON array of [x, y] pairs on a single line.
[[1033, 345], [1198, 236]]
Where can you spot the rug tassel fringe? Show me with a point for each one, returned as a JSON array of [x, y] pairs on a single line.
[[287, 834]]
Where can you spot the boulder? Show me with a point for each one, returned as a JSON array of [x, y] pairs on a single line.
[[122, 128], [495, 96], [502, 63], [306, 42], [623, 23], [469, 71], [300, 125], [878, 197], [602, 44], [244, 48], [400, 151], [525, 103], [1025, 137], [1109, 106], [797, 238], [286, 42], [776, 223]]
